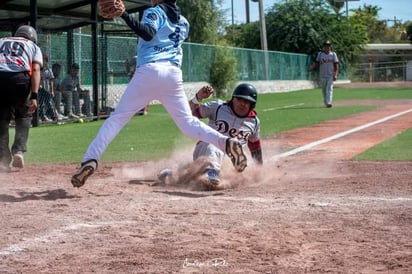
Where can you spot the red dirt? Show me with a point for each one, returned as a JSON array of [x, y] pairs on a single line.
[[311, 212]]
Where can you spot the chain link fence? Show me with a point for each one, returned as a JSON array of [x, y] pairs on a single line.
[[115, 48]]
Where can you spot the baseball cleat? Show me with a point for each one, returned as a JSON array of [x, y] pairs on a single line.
[[213, 176], [235, 152], [87, 168], [18, 160], [163, 176]]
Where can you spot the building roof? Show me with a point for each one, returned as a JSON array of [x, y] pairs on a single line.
[[56, 15], [371, 47], [388, 50]]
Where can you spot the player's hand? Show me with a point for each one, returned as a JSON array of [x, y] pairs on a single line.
[[32, 105], [334, 78], [205, 92]]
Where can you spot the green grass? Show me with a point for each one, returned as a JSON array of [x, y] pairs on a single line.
[[394, 149], [155, 136]]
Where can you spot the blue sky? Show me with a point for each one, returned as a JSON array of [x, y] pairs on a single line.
[[401, 9]]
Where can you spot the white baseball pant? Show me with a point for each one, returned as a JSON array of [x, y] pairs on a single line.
[[154, 81]]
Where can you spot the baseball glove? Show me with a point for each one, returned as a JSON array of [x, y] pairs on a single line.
[[111, 8]]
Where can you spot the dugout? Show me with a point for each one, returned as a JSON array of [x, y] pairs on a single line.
[[65, 16], [384, 63]]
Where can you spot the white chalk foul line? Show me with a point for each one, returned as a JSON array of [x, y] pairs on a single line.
[[289, 106], [53, 235], [337, 136]]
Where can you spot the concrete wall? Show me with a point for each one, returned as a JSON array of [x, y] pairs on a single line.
[[115, 91]]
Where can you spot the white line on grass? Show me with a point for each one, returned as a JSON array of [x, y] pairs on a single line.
[[337, 136], [289, 106]]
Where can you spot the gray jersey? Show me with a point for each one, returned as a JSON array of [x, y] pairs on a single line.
[[17, 54], [326, 62]]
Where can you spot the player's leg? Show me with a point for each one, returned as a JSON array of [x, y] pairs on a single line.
[[68, 103], [57, 102], [215, 158], [329, 92], [5, 154], [5, 117], [135, 97], [42, 103], [76, 102], [87, 105], [23, 120], [323, 86]]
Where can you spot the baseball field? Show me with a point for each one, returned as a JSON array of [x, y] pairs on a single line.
[[334, 196]]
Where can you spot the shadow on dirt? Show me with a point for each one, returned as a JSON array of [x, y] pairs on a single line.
[[49, 195], [190, 194]]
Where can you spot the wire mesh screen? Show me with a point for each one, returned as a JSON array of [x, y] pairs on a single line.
[[252, 65], [381, 71], [117, 49]]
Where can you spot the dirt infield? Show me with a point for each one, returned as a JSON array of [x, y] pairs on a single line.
[[308, 211]]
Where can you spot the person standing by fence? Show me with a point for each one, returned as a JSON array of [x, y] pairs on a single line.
[[47, 111]]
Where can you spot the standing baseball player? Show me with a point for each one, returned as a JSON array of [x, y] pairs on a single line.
[[158, 76], [328, 64], [235, 118], [47, 111], [20, 64]]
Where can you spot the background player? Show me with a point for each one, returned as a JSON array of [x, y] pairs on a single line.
[[158, 77], [328, 64], [20, 63], [47, 111]]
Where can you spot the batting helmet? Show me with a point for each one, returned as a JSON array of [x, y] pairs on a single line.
[[247, 92], [27, 32]]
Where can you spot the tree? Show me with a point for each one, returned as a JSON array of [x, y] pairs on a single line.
[[367, 17], [244, 35], [223, 73], [409, 32], [204, 18], [301, 26]]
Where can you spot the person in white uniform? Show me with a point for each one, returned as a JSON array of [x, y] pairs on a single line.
[[235, 118], [158, 76]]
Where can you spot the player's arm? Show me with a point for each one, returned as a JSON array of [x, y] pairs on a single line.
[[51, 86], [335, 70], [195, 102], [256, 151], [313, 66], [145, 31], [34, 86], [315, 63]]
